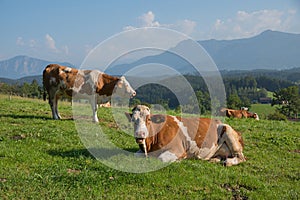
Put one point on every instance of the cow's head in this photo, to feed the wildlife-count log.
(124, 89)
(142, 120)
(140, 116)
(255, 116)
(143, 125)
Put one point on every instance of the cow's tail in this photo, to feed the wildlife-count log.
(44, 94)
(44, 88)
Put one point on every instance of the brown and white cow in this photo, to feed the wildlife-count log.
(238, 113)
(171, 138)
(93, 85)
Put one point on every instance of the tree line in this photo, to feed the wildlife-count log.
(30, 90)
(240, 92)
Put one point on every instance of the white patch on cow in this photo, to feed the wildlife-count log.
(167, 156)
(206, 153)
(123, 88)
(68, 69)
(93, 77)
(52, 80)
(231, 161)
(61, 71)
(192, 148)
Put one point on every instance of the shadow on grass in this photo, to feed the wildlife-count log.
(17, 116)
(94, 153)
(76, 153)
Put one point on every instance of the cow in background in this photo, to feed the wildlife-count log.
(171, 138)
(238, 113)
(93, 85)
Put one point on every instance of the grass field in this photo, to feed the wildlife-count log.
(263, 110)
(45, 159)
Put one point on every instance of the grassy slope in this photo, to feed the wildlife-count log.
(45, 159)
(263, 110)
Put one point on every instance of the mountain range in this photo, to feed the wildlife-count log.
(268, 50)
(22, 66)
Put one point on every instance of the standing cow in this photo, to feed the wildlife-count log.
(170, 138)
(93, 85)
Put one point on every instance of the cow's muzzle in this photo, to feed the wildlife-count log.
(140, 140)
(133, 95)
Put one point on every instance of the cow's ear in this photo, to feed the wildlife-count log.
(158, 119)
(129, 116)
(120, 84)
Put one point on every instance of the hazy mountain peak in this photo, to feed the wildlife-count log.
(22, 65)
(268, 50)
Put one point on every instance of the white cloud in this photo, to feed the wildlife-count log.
(50, 43)
(32, 43)
(148, 20)
(128, 28)
(20, 41)
(247, 24)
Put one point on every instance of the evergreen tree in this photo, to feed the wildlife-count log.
(289, 101)
(234, 101)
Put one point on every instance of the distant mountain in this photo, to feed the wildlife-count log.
(268, 50)
(21, 66)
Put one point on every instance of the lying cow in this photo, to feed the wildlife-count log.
(238, 113)
(171, 138)
(93, 85)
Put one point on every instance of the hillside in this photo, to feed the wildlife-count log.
(21, 66)
(43, 158)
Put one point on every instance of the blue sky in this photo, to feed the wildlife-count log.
(65, 30)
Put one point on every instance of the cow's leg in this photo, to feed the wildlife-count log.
(235, 149)
(221, 154)
(94, 106)
(167, 156)
(53, 99)
(55, 105)
(230, 148)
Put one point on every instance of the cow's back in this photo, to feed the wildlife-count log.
(202, 130)
(50, 75)
(62, 78)
(191, 137)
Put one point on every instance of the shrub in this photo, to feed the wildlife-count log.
(277, 116)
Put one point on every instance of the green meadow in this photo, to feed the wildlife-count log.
(41, 158)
